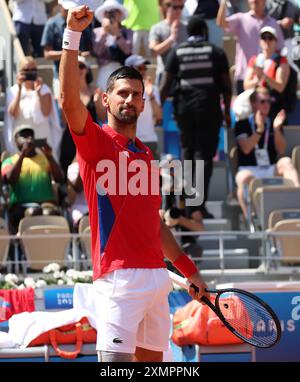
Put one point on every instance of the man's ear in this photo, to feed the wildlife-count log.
(105, 102)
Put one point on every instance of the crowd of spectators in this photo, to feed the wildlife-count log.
(184, 40)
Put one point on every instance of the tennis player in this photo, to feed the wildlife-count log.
(129, 240)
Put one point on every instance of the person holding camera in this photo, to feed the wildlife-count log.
(176, 218)
(29, 174)
(112, 43)
(30, 102)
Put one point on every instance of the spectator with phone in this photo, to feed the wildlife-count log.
(30, 101)
(29, 173)
(112, 43)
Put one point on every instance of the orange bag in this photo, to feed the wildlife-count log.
(77, 333)
(198, 324)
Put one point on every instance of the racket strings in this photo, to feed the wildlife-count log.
(249, 318)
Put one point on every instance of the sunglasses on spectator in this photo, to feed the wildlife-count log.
(141, 67)
(174, 7)
(268, 37)
(264, 101)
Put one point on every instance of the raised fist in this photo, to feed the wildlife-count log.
(79, 18)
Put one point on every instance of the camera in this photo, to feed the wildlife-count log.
(31, 75)
(40, 142)
(175, 212)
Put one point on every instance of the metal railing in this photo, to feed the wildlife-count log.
(267, 260)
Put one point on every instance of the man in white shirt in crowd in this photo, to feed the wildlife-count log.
(29, 17)
(152, 113)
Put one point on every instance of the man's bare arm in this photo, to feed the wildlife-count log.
(173, 252)
(221, 16)
(75, 111)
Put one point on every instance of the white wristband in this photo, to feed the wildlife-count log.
(71, 39)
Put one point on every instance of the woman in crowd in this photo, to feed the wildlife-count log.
(30, 102)
(112, 43)
(269, 69)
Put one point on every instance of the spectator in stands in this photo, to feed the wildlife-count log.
(52, 40)
(91, 97)
(260, 142)
(269, 69)
(201, 71)
(79, 207)
(30, 101)
(29, 175)
(167, 33)
(173, 211)
(112, 43)
(152, 113)
(175, 218)
(246, 27)
(287, 13)
(30, 17)
(208, 10)
(142, 14)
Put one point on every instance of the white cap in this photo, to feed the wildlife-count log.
(135, 60)
(67, 4)
(109, 5)
(270, 30)
(84, 61)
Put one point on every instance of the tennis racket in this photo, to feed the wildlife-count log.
(244, 314)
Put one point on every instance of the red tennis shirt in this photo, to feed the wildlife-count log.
(125, 223)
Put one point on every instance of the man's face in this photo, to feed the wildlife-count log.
(263, 103)
(24, 136)
(256, 4)
(174, 8)
(125, 102)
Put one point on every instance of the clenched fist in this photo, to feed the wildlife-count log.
(79, 18)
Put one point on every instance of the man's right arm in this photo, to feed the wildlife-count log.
(75, 111)
(221, 16)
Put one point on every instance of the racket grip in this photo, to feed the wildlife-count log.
(196, 289)
(203, 298)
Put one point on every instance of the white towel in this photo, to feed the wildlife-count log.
(25, 327)
(6, 341)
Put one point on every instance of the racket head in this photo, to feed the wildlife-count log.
(247, 316)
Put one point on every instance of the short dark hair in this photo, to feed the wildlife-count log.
(197, 27)
(123, 72)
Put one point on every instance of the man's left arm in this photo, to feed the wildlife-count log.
(171, 68)
(181, 261)
(225, 83)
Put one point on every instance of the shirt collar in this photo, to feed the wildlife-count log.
(122, 140)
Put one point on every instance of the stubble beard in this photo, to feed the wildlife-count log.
(123, 118)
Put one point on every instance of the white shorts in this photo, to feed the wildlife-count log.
(260, 172)
(132, 310)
